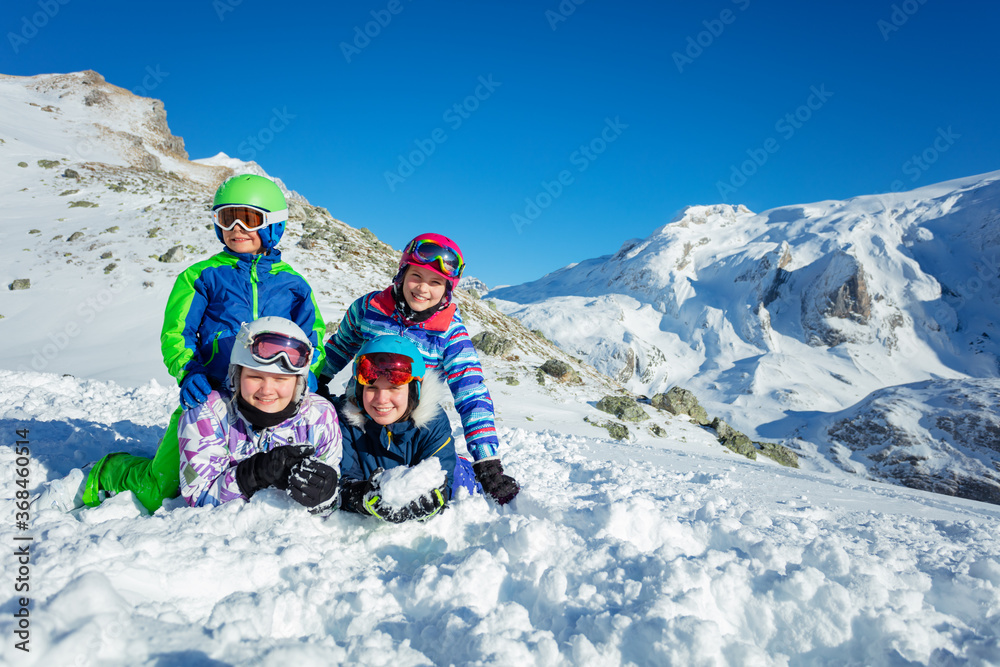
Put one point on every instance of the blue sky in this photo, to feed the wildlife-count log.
(537, 134)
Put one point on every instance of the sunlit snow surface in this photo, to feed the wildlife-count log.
(663, 551)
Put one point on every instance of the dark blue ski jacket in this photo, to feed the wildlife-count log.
(368, 445)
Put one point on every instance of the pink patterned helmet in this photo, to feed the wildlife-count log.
(438, 253)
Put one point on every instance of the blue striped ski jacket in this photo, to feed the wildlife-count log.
(446, 347)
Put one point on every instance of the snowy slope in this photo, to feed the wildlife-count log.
(772, 318)
(663, 551)
(652, 550)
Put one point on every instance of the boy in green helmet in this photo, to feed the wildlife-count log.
(209, 302)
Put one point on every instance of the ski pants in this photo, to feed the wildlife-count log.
(151, 480)
(465, 476)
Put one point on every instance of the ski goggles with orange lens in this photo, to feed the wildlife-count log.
(247, 217)
(396, 368)
(270, 347)
(448, 260)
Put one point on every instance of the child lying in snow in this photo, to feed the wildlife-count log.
(265, 429)
(392, 419)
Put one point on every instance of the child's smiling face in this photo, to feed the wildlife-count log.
(268, 392)
(422, 288)
(385, 402)
(240, 240)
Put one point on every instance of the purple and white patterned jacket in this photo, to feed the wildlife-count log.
(214, 437)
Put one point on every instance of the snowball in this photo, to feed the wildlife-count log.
(402, 485)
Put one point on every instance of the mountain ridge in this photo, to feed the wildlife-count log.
(797, 312)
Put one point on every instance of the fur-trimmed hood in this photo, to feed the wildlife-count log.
(433, 394)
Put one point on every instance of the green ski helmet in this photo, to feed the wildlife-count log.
(260, 193)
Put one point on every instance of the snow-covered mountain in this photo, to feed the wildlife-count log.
(774, 318)
(91, 246)
(474, 284)
(659, 548)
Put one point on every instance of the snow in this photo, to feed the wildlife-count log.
(402, 485)
(220, 159)
(654, 552)
(650, 551)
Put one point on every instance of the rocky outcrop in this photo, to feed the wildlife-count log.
(174, 255)
(170, 144)
(628, 365)
(492, 344)
(679, 401)
(616, 430)
(938, 435)
(840, 292)
(733, 439)
(623, 407)
(560, 370)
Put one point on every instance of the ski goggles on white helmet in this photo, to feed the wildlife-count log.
(249, 218)
(272, 347)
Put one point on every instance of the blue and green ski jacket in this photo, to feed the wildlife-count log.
(211, 299)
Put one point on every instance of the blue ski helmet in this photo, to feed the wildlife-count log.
(260, 193)
(393, 345)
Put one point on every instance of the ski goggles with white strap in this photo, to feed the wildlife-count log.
(249, 218)
(270, 347)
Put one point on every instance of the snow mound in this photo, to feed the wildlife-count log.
(403, 484)
(614, 554)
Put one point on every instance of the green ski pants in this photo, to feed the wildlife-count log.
(151, 480)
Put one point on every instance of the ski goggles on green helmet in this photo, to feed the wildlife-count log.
(249, 218)
(396, 368)
(272, 347)
(448, 260)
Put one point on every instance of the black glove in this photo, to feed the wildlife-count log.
(269, 468)
(427, 505)
(352, 495)
(314, 484)
(502, 488)
(323, 388)
(364, 497)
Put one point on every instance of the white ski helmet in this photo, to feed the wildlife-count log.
(273, 345)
